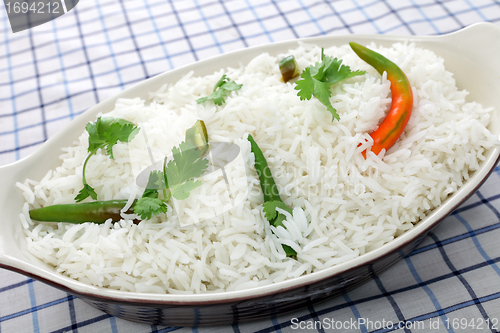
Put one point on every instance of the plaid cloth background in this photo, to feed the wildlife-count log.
(53, 72)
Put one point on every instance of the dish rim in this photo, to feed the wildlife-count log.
(421, 228)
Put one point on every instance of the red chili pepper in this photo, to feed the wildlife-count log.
(402, 99)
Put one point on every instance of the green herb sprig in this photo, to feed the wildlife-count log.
(317, 79)
(221, 90)
(104, 134)
(177, 179)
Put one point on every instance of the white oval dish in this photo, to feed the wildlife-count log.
(469, 53)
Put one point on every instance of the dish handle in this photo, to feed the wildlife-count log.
(11, 201)
(8, 179)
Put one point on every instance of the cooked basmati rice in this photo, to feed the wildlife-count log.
(217, 239)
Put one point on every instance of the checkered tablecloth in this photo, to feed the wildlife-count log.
(51, 73)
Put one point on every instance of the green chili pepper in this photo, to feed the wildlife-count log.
(289, 68)
(267, 183)
(198, 136)
(97, 212)
(272, 197)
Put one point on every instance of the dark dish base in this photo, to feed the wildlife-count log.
(234, 312)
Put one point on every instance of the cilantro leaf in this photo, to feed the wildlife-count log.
(272, 215)
(221, 89)
(107, 131)
(187, 164)
(337, 72)
(317, 79)
(276, 219)
(156, 181)
(177, 176)
(310, 86)
(270, 211)
(182, 192)
(85, 192)
(221, 81)
(104, 133)
(304, 87)
(145, 207)
(289, 251)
